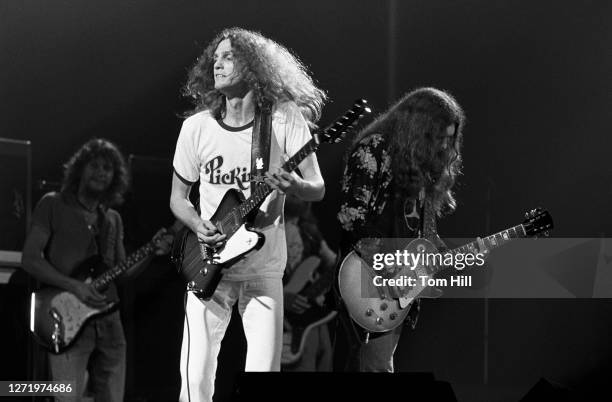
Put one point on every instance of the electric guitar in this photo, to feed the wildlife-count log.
(297, 326)
(386, 312)
(200, 265)
(57, 316)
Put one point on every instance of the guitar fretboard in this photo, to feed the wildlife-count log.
(260, 191)
(495, 240)
(102, 281)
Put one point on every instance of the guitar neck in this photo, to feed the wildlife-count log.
(491, 242)
(102, 281)
(262, 190)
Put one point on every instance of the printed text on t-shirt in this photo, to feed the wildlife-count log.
(239, 175)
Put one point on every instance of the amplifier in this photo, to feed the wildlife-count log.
(15, 193)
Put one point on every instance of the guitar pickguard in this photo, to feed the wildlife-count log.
(239, 244)
(73, 312)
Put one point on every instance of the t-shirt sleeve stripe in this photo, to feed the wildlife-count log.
(185, 156)
(184, 180)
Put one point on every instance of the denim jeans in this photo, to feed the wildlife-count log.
(100, 351)
(375, 355)
(260, 304)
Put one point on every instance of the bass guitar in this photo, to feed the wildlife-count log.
(57, 316)
(201, 266)
(387, 311)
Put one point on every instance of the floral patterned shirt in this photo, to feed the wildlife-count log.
(366, 177)
(366, 208)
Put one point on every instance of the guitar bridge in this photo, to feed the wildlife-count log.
(209, 255)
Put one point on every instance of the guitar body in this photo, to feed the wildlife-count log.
(298, 326)
(386, 311)
(58, 316)
(202, 276)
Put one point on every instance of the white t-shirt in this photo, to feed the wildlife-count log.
(220, 157)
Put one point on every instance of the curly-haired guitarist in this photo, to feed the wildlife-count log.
(240, 74)
(68, 229)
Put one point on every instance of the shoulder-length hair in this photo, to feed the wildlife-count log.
(270, 70)
(98, 148)
(413, 129)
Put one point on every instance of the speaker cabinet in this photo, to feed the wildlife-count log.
(15, 193)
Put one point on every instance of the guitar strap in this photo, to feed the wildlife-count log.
(100, 231)
(260, 146)
(424, 208)
(429, 219)
(430, 231)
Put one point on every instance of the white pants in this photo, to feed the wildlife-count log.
(260, 303)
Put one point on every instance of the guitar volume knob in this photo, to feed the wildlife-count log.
(379, 321)
(369, 312)
(393, 316)
(204, 271)
(383, 306)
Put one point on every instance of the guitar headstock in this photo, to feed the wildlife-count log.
(336, 131)
(537, 221)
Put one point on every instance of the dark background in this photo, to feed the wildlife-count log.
(533, 77)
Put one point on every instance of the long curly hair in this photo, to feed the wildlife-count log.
(414, 128)
(270, 70)
(95, 148)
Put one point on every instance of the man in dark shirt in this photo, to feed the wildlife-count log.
(69, 227)
(310, 265)
(407, 157)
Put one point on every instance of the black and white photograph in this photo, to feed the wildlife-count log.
(314, 200)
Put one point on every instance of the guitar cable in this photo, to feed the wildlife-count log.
(188, 345)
